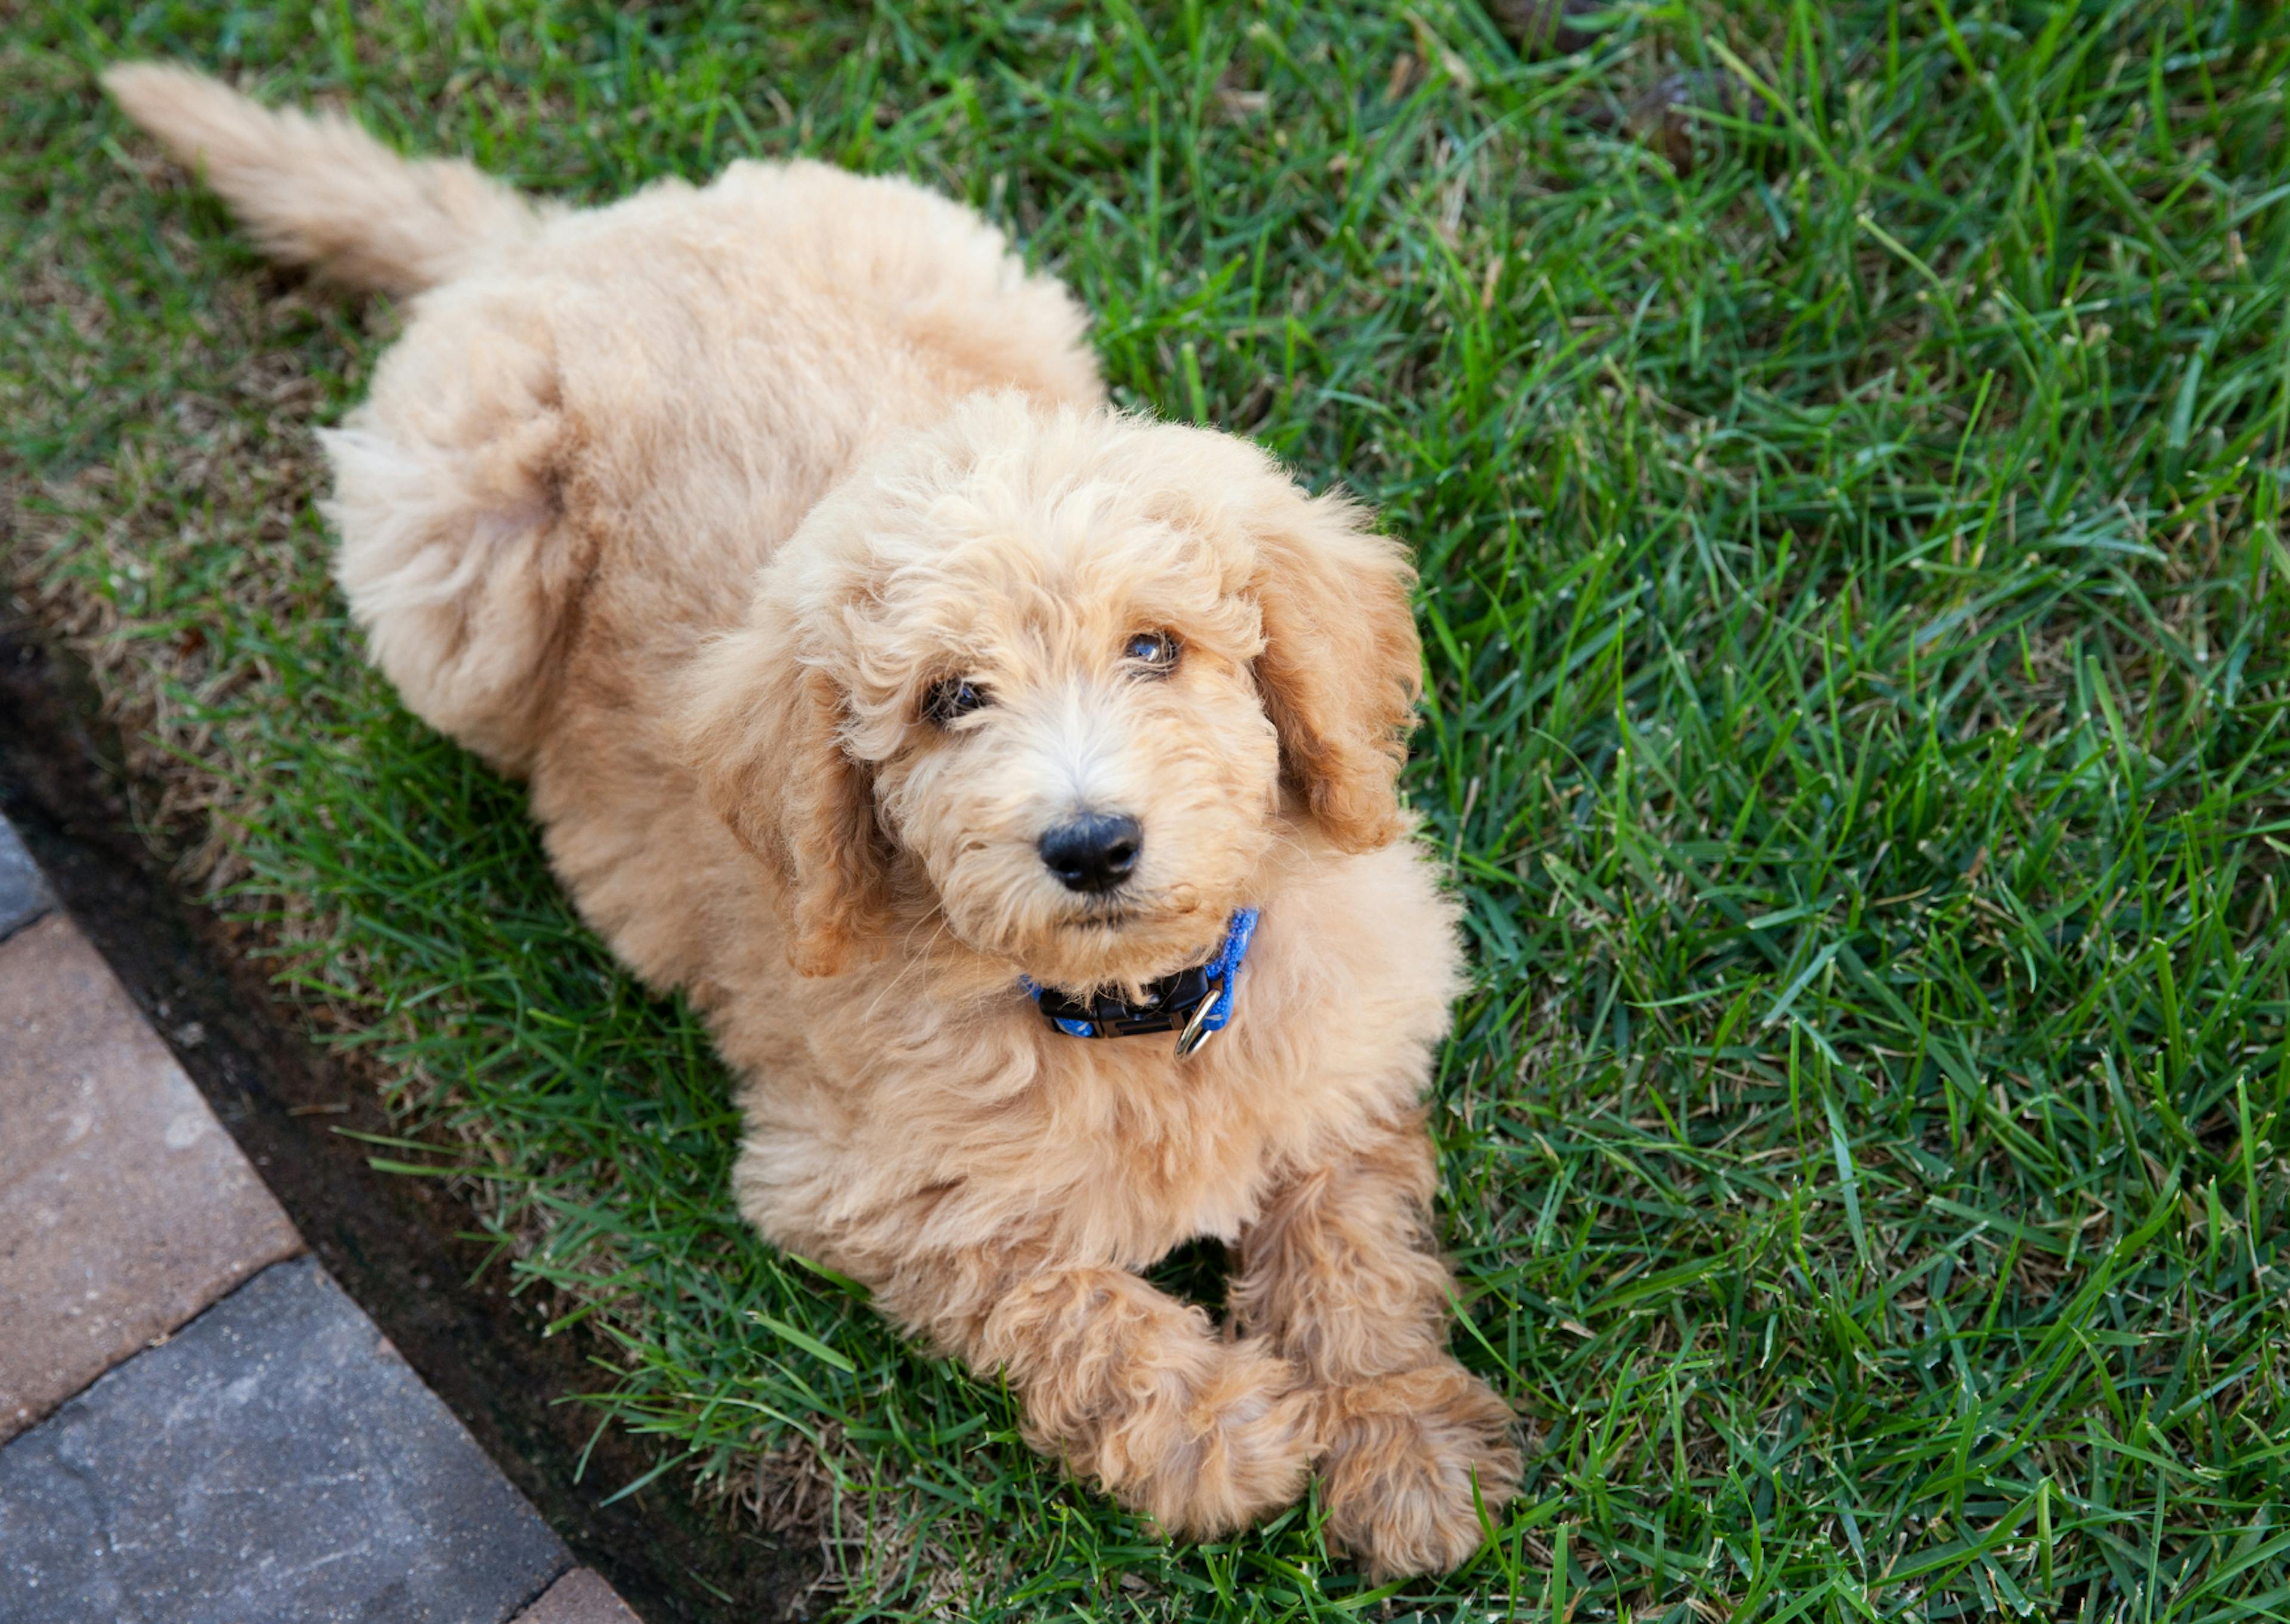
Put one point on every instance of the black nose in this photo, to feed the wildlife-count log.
(1094, 853)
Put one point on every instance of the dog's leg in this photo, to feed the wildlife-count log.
(1133, 1389)
(1339, 1274)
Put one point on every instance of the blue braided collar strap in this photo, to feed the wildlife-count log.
(1195, 1004)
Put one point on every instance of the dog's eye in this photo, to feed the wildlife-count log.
(950, 699)
(1155, 651)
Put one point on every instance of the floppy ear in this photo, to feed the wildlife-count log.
(764, 733)
(1342, 666)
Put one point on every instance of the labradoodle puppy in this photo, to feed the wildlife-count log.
(1010, 781)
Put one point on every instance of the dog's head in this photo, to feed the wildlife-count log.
(1075, 674)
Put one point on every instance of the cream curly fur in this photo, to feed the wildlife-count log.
(677, 508)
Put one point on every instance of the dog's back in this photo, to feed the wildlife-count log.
(599, 425)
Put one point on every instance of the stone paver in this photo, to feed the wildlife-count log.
(580, 1597)
(276, 1460)
(24, 894)
(125, 1208)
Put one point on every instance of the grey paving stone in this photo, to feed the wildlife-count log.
(276, 1460)
(24, 894)
(125, 1208)
(580, 1597)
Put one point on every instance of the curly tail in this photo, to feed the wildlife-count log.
(319, 191)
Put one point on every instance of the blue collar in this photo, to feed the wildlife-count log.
(1193, 1004)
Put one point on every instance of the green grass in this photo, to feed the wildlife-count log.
(1855, 612)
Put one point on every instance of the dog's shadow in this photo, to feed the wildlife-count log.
(1199, 1272)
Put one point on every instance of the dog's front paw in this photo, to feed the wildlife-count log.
(1239, 1446)
(1403, 1453)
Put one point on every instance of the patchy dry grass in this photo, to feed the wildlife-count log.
(1855, 602)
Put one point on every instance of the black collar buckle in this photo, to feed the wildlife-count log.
(1195, 1004)
(1169, 1005)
